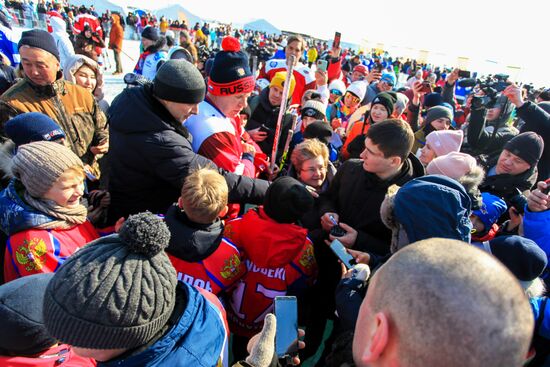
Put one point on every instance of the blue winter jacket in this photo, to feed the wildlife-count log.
(541, 312)
(15, 214)
(198, 338)
(535, 227)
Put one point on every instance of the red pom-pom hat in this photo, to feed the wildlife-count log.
(230, 72)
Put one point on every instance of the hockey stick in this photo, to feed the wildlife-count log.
(282, 109)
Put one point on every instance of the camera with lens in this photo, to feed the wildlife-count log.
(491, 86)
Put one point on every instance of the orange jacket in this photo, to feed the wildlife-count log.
(117, 34)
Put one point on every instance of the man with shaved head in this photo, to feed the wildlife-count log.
(441, 302)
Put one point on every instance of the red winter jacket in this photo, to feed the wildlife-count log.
(33, 251)
(61, 355)
(277, 256)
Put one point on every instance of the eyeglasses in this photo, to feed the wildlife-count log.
(336, 92)
(313, 170)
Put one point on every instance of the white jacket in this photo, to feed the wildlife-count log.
(62, 41)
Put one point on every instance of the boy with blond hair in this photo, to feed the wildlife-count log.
(198, 251)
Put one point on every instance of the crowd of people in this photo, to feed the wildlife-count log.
(160, 228)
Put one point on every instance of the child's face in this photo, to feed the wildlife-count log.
(244, 119)
(477, 224)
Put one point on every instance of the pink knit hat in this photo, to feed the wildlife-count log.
(445, 141)
(453, 165)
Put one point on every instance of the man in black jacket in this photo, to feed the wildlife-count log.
(359, 187)
(151, 151)
(515, 168)
(537, 119)
(264, 111)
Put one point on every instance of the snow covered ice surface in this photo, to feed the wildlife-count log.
(114, 84)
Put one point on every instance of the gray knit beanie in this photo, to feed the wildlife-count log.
(38, 165)
(437, 112)
(179, 81)
(117, 292)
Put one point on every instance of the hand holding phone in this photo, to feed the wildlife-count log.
(265, 129)
(336, 42)
(343, 255)
(426, 88)
(538, 201)
(336, 230)
(322, 65)
(286, 337)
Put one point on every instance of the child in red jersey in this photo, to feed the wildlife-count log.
(278, 256)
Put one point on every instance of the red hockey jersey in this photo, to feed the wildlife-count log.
(276, 256)
(215, 273)
(219, 138)
(34, 251)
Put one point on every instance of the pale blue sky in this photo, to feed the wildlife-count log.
(512, 33)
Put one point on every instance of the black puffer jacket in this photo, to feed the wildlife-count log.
(150, 156)
(356, 195)
(262, 112)
(504, 185)
(481, 142)
(189, 241)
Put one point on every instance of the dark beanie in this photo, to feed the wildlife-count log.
(179, 81)
(151, 33)
(23, 330)
(523, 257)
(433, 99)
(40, 39)
(32, 126)
(320, 130)
(230, 72)
(437, 112)
(385, 99)
(286, 200)
(117, 292)
(528, 146)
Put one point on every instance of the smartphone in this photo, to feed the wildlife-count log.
(265, 128)
(322, 65)
(426, 87)
(286, 337)
(336, 42)
(464, 74)
(342, 254)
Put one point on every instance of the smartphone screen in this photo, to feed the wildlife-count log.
(342, 254)
(322, 65)
(336, 42)
(286, 338)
